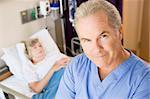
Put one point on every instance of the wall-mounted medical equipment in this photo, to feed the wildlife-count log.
(28, 15)
(44, 7)
(55, 7)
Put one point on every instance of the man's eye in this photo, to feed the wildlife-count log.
(103, 36)
(86, 40)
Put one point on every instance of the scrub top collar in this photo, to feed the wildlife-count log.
(116, 74)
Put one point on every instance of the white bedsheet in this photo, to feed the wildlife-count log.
(2, 94)
(17, 85)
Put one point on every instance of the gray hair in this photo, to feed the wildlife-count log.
(28, 44)
(93, 6)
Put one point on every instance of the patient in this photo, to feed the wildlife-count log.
(36, 53)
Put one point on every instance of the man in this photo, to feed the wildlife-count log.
(105, 70)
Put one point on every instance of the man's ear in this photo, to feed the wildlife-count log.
(121, 32)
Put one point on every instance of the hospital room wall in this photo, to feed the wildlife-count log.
(11, 28)
(145, 38)
(136, 27)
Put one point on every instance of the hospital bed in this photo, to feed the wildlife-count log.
(16, 84)
(15, 87)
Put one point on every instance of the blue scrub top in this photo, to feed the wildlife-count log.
(130, 80)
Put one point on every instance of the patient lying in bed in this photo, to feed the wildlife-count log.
(46, 86)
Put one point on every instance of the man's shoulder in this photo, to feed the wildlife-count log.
(80, 57)
(143, 65)
(79, 63)
(141, 68)
(141, 74)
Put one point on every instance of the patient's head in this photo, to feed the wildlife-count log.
(34, 50)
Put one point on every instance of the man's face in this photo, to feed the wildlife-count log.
(37, 52)
(100, 42)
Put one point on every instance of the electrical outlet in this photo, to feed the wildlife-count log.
(24, 16)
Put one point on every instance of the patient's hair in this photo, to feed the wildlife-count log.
(28, 44)
(92, 6)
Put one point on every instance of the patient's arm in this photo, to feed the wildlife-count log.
(39, 85)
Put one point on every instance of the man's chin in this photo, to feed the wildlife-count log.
(100, 64)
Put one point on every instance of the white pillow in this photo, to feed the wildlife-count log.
(12, 60)
(46, 40)
(21, 52)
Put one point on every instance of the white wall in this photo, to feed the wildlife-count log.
(11, 28)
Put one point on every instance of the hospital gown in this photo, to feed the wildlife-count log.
(130, 80)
